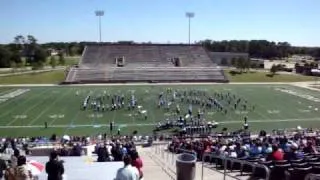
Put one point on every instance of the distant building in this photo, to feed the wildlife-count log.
(225, 58)
(55, 52)
(269, 63)
(298, 57)
(52, 52)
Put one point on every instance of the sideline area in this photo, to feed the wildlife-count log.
(304, 84)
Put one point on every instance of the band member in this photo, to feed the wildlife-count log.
(246, 125)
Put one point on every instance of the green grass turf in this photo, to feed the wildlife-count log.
(56, 76)
(69, 60)
(263, 77)
(60, 106)
(72, 60)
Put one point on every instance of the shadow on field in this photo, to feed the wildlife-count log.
(234, 73)
(270, 75)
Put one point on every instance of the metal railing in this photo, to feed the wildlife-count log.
(311, 176)
(232, 161)
(168, 161)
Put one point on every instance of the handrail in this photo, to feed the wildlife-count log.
(312, 176)
(186, 151)
(233, 160)
(83, 52)
(170, 159)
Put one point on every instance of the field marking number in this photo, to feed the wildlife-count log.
(273, 111)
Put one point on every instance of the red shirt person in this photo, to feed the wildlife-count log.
(137, 162)
(276, 154)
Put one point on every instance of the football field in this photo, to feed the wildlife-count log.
(24, 110)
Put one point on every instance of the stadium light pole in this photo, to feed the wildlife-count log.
(189, 15)
(99, 14)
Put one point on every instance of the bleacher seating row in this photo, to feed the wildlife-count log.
(146, 75)
(145, 63)
(284, 169)
(97, 55)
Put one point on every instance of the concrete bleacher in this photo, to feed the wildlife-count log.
(145, 63)
(167, 161)
(83, 168)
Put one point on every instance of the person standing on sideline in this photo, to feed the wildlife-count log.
(127, 172)
(54, 168)
(137, 162)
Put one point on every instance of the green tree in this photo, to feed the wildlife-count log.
(31, 40)
(246, 64)
(224, 61)
(16, 57)
(53, 62)
(30, 46)
(5, 56)
(234, 62)
(39, 58)
(254, 65)
(62, 60)
(240, 63)
(13, 65)
(19, 42)
(273, 70)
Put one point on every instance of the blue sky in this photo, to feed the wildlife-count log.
(295, 21)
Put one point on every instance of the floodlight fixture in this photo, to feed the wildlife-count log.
(189, 15)
(99, 14)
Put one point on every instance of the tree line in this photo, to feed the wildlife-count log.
(260, 48)
(26, 51)
(34, 54)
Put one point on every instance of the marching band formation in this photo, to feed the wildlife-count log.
(177, 105)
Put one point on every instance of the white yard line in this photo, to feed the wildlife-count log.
(77, 125)
(153, 124)
(7, 91)
(46, 109)
(271, 120)
(10, 100)
(256, 105)
(54, 119)
(279, 107)
(145, 84)
(26, 111)
(305, 84)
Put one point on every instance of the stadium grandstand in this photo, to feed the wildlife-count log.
(103, 63)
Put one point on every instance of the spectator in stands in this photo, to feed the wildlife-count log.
(137, 162)
(103, 154)
(64, 150)
(3, 167)
(108, 146)
(232, 152)
(276, 154)
(14, 158)
(21, 171)
(124, 150)
(54, 167)
(127, 172)
(76, 150)
(293, 154)
(310, 148)
(117, 152)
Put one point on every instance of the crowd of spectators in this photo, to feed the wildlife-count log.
(65, 145)
(293, 155)
(115, 149)
(266, 146)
